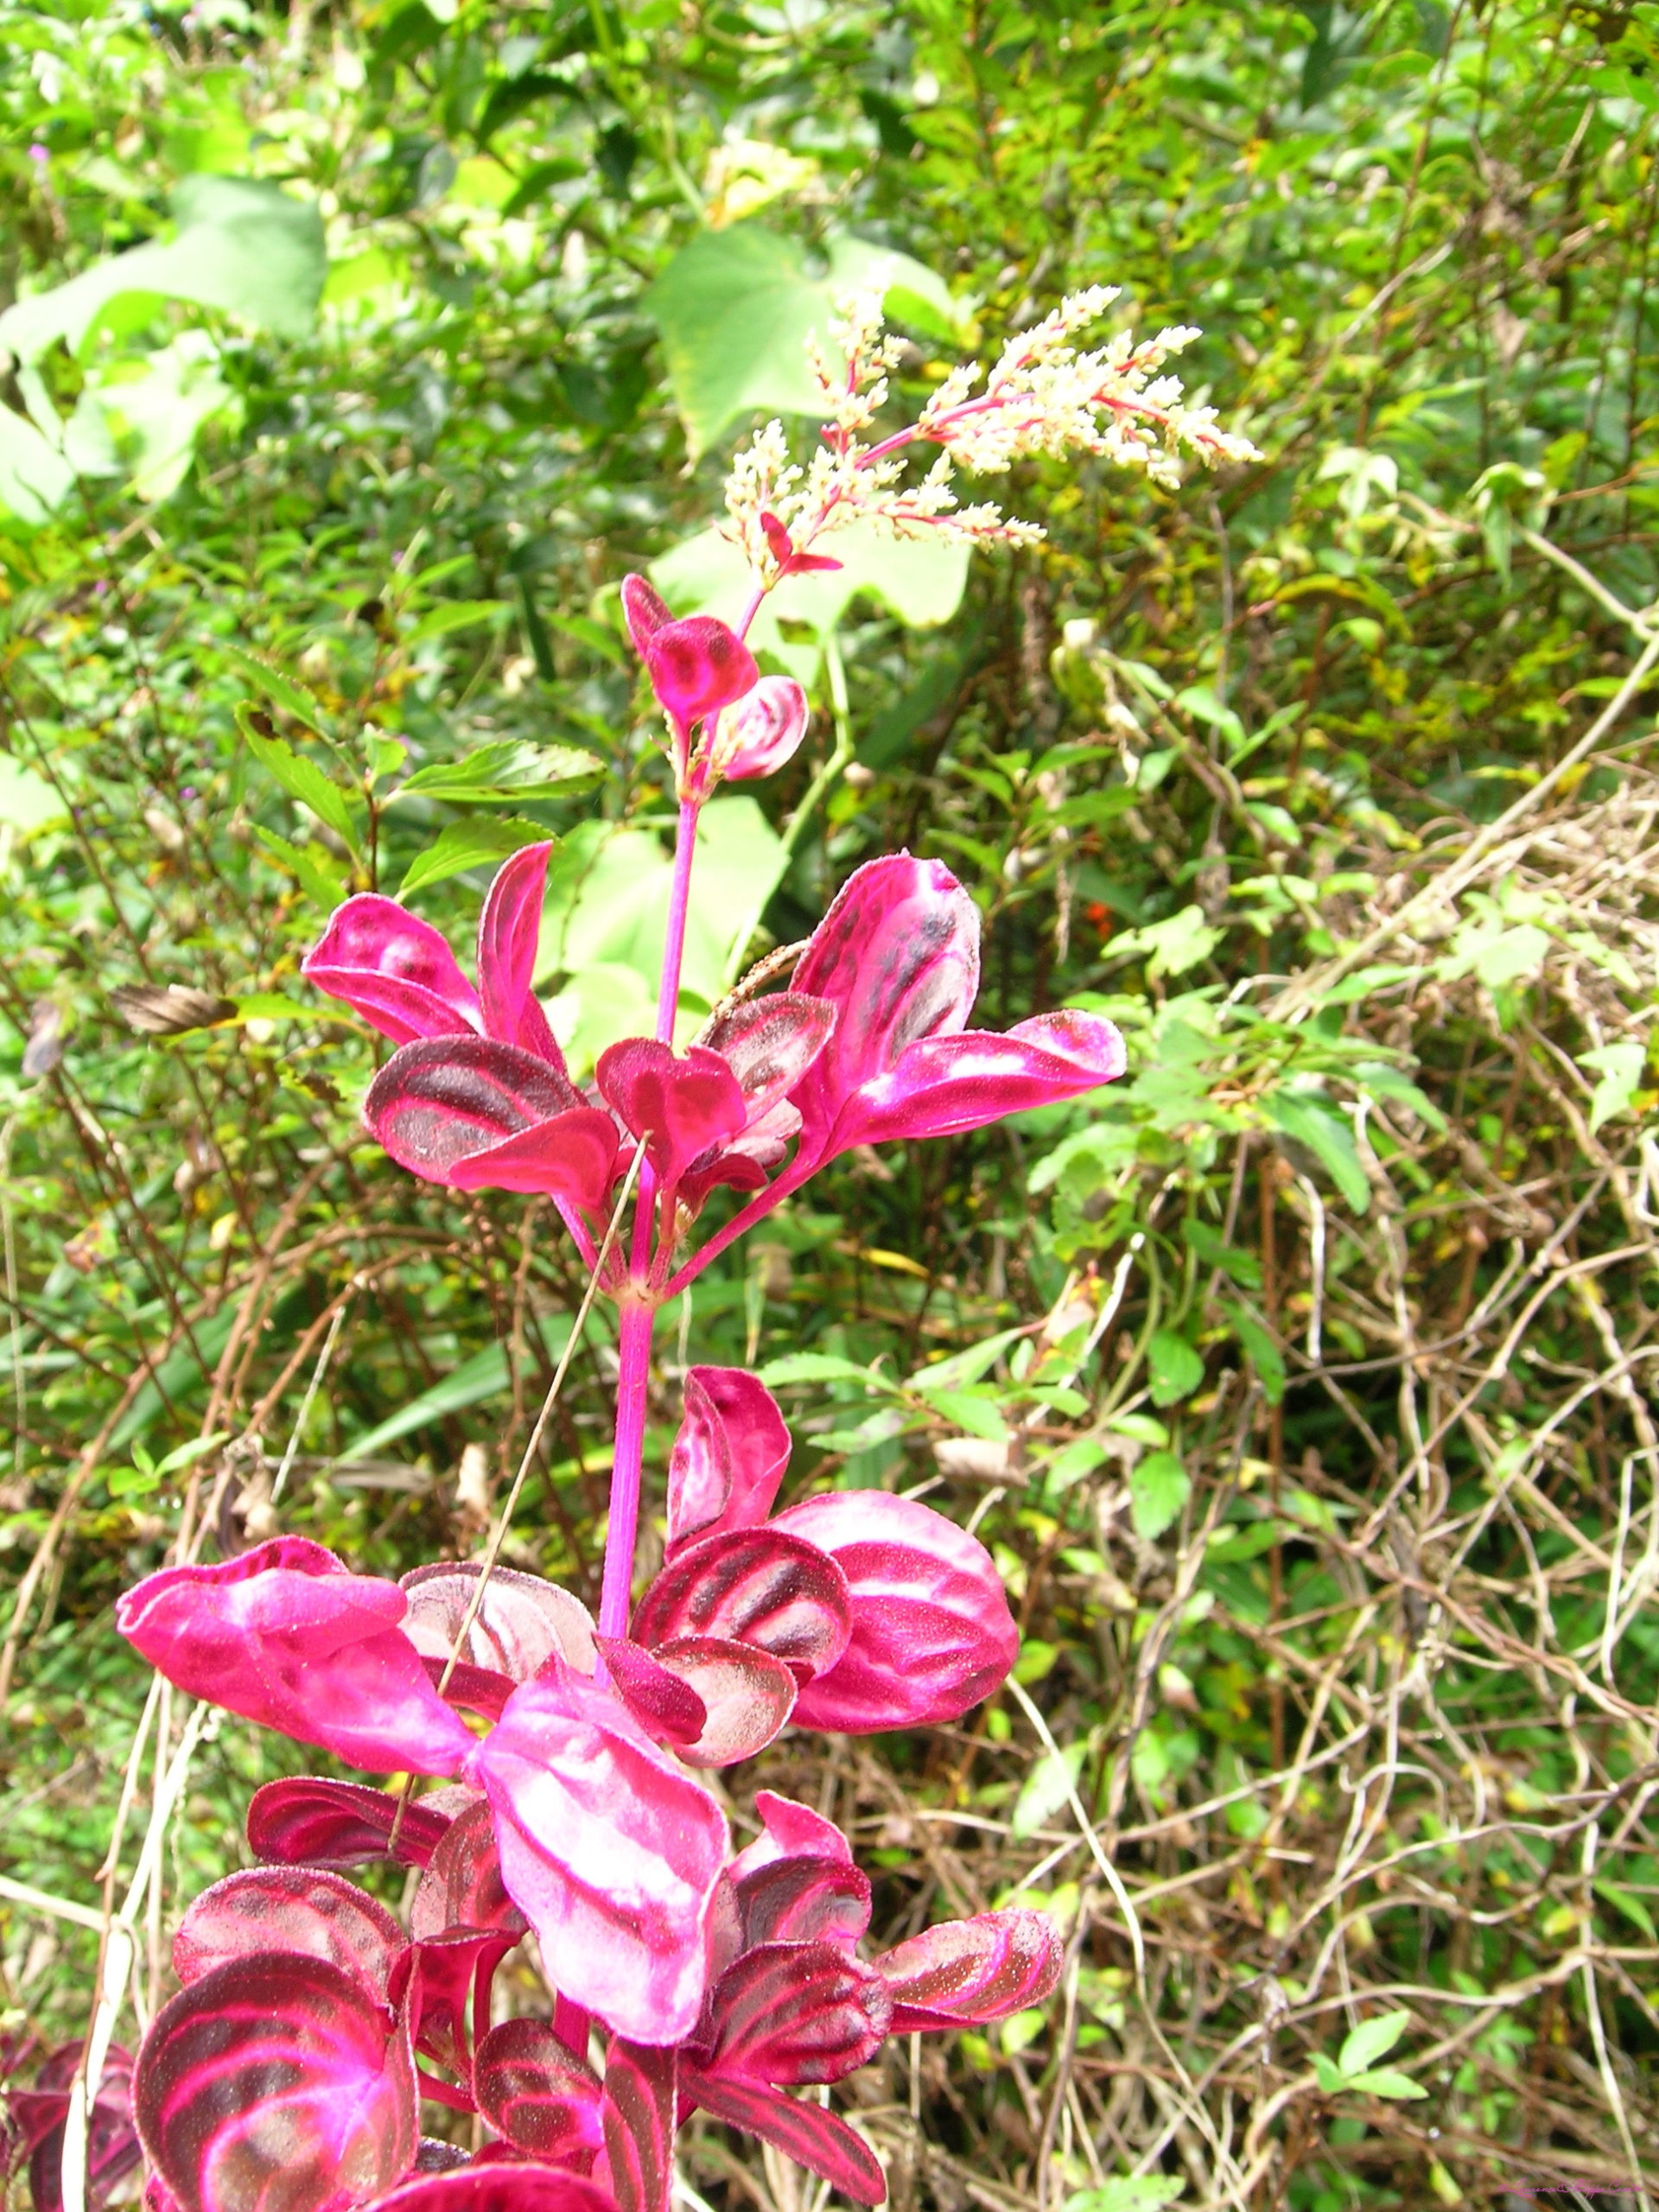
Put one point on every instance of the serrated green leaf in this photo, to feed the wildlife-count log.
(972, 1411)
(508, 772)
(819, 1367)
(1047, 1787)
(131, 1482)
(1175, 1369)
(1619, 1065)
(454, 614)
(1384, 2083)
(1263, 1353)
(282, 690)
(1371, 2040)
(1329, 2075)
(1326, 1135)
(319, 875)
(1127, 2193)
(1159, 1489)
(1071, 1464)
(1631, 1905)
(302, 779)
(475, 844)
(963, 1368)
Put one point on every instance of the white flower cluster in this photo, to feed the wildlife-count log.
(1043, 396)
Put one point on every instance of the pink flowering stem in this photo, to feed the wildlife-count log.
(633, 1352)
(679, 899)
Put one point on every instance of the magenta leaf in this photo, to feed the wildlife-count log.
(931, 1633)
(746, 1695)
(394, 969)
(638, 2116)
(40, 2116)
(729, 1457)
(816, 2140)
(769, 1044)
(520, 1623)
(789, 1830)
(540, 2096)
(803, 1901)
(681, 1108)
(301, 1910)
(644, 611)
(761, 732)
(448, 1989)
(792, 2013)
(610, 1849)
(667, 1709)
(476, 1114)
(276, 2084)
(307, 1819)
(762, 1586)
(498, 2187)
(972, 1970)
(697, 667)
(462, 1886)
(509, 930)
(942, 1085)
(287, 1635)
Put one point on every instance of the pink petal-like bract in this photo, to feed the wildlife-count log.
(492, 2188)
(520, 1623)
(667, 1708)
(793, 2013)
(682, 1107)
(276, 2084)
(462, 1886)
(746, 1696)
(932, 1633)
(645, 610)
(307, 1820)
(301, 1909)
(542, 2097)
(612, 1852)
(898, 956)
(761, 732)
(509, 930)
(769, 1044)
(819, 2141)
(286, 1635)
(638, 2115)
(729, 1457)
(394, 969)
(762, 1586)
(448, 1988)
(475, 1114)
(972, 1970)
(697, 667)
(789, 1830)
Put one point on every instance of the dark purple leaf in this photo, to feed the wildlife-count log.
(668, 1709)
(476, 1114)
(803, 1901)
(680, 1106)
(521, 1621)
(729, 1457)
(304, 1910)
(542, 2097)
(754, 1586)
(792, 2013)
(637, 2115)
(509, 930)
(972, 1970)
(932, 1633)
(462, 1886)
(307, 1820)
(746, 1695)
(816, 2140)
(498, 2187)
(276, 2084)
(41, 2116)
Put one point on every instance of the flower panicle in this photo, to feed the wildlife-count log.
(1043, 396)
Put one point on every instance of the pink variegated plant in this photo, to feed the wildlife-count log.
(288, 2073)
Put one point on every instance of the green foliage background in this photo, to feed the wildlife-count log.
(1302, 1383)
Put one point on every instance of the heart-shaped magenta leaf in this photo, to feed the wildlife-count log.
(746, 1695)
(816, 2140)
(286, 1635)
(298, 1910)
(498, 2188)
(680, 1106)
(972, 1970)
(793, 2013)
(761, 732)
(509, 930)
(543, 2098)
(612, 1852)
(462, 1886)
(770, 1043)
(930, 1629)
(638, 2116)
(476, 1114)
(803, 1901)
(762, 1586)
(940, 1086)
(521, 1620)
(667, 1709)
(729, 1457)
(276, 2084)
(449, 1989)
(697, 667)
(394, 969)
(307, 1820)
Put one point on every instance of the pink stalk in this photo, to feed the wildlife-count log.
(633, 1352)
(668, 1000)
